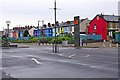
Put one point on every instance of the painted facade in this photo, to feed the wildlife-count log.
(31, 31)
(98, 26)
(104, 25)
(83, 25)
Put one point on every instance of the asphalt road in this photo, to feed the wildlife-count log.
(41, 62)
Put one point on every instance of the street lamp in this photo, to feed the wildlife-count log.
(42, 24)
(8, 24)
(39, 22)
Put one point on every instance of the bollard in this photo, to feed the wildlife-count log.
(58, 48)
(110, 43)
(104, 43)
(81, 43)
(53, 48)
(117, 45)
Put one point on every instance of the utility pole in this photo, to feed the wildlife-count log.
(55, 29)
(55, 14)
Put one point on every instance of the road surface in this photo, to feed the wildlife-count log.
(41, 62)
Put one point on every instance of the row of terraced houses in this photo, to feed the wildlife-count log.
(103, 25)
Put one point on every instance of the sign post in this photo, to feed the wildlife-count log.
(76, 31)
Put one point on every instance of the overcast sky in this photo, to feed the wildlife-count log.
(28, 12)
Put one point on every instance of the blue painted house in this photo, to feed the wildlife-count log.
(37, 33)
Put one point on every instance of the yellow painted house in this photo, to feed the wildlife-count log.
(60, 30)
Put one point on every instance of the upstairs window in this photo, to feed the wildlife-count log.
(97, 17)
(95, 27)
(111, 25)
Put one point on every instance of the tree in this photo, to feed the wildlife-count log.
(26, 33)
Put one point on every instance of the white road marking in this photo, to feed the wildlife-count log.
(72, 55)
(87, 56)
(31, 56)
(90, 48)
(46, 52)
(1, 68)
(61, 54)
(107, 64)
(36, 61)
(18, 56)
(74, 63)
(52, 53)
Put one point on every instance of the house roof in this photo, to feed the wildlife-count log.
(111, 18)
(84, 19)
(65, 24)
(108, 18)
(69, 23)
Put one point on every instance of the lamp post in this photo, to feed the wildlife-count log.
(8, 24)
(39, 24)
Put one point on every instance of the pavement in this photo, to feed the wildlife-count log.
(88, 45)
(70, 62)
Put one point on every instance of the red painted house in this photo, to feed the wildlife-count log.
(103, 25)
(98, 26)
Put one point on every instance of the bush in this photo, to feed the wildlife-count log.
(51, 41)
(117, 33)
(34, 40)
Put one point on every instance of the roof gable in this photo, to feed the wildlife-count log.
(108, 18)
(96, 17)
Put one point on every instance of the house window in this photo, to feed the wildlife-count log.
(116, 25)
(111, 25)
(93, 33)
(97, 17)
(95, 27)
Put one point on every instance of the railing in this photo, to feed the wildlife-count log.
(91, 37)
(20, 38)
(83, 37)
(117, 38)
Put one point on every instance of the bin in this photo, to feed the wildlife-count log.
(64, 43)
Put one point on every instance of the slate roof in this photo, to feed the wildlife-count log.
(111, 18)
(69, 23)
(108, 18)
(65, 24)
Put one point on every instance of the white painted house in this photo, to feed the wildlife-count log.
(31, 31)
